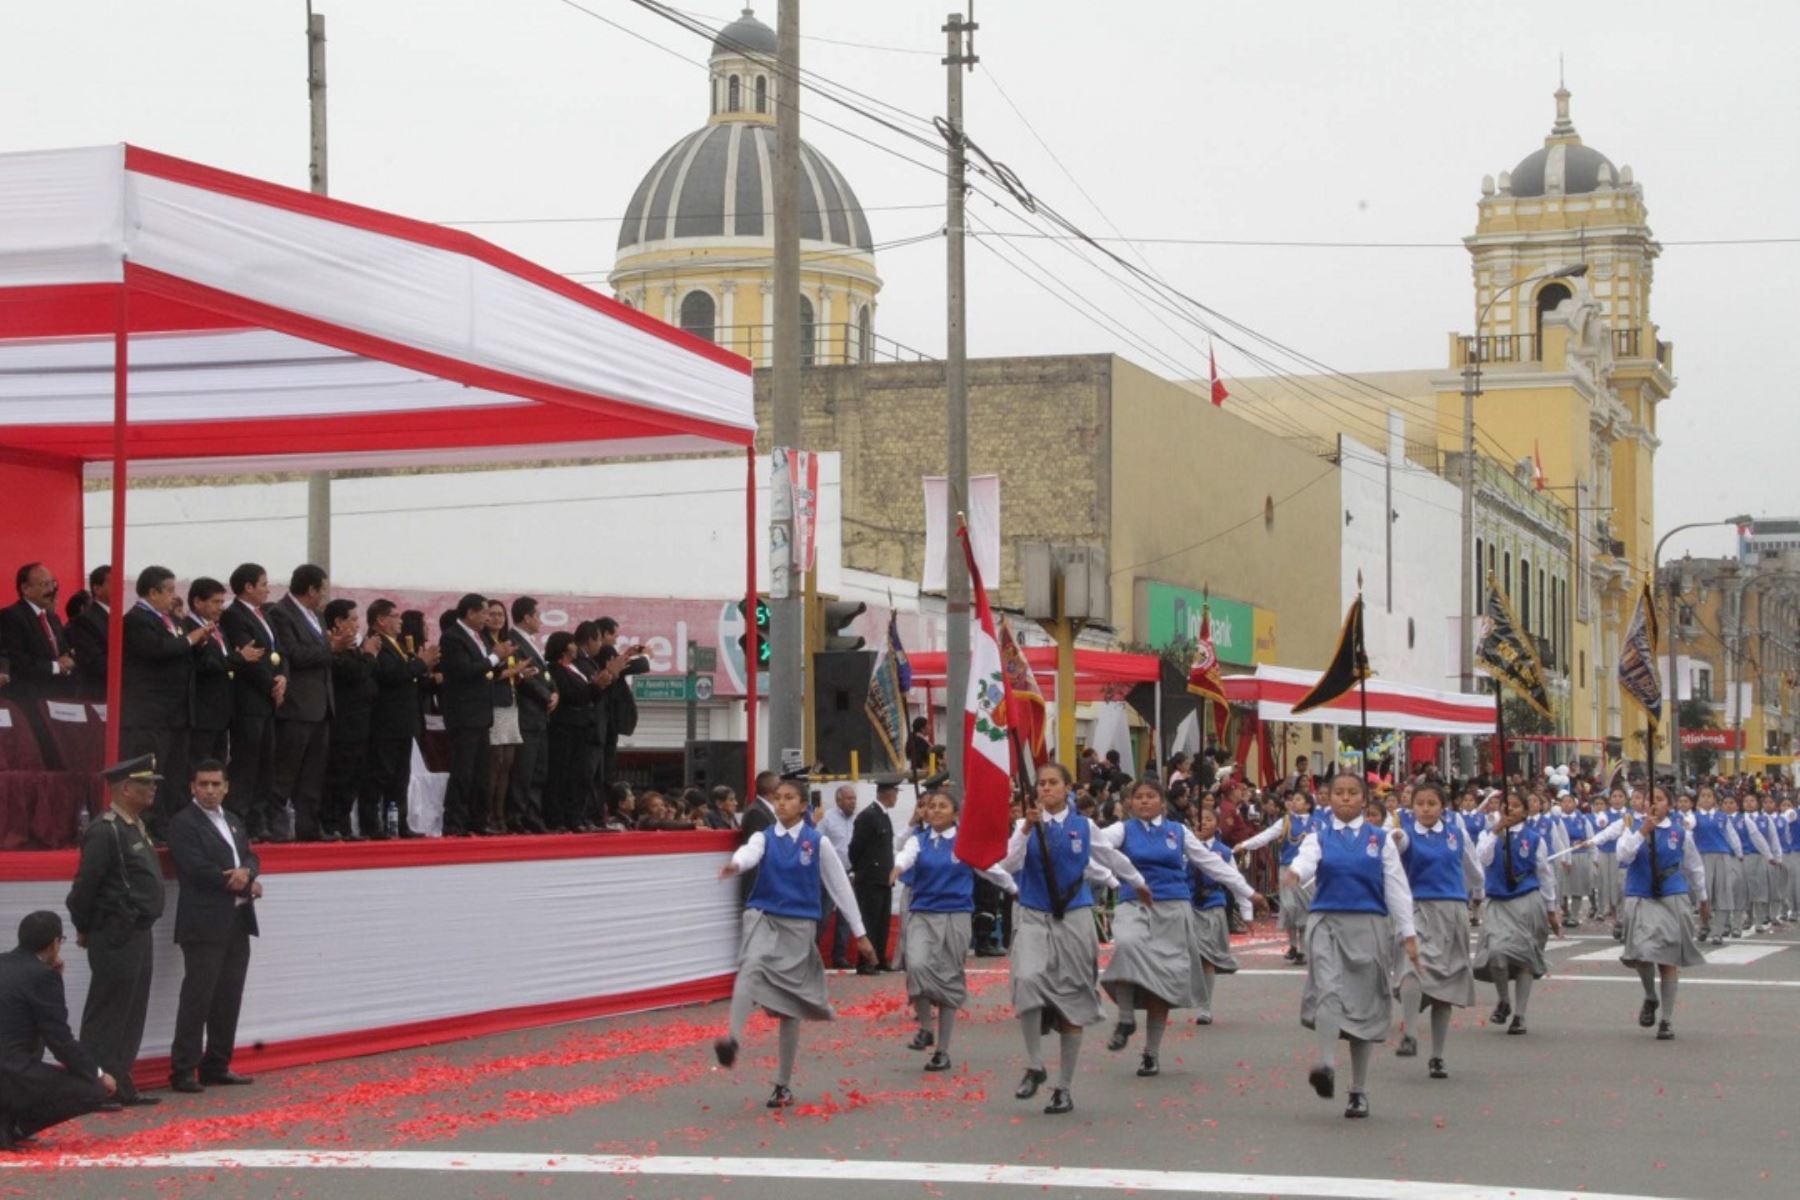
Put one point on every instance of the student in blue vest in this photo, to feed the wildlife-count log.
(1209, 940)
(1575, 875)
(1608, 882)
(1290, 832)
(1663, 868)
(779, 968)
(1473, 821)
(1521, 909)
(936, 928)
(1434, 849)
(1787, 824)
(1361, 888)
(1718, 845)
(1151, 967)
(1055, 947)
(1737, 915)
(1754, 830)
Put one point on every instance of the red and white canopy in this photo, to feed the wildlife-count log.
(1275, 691)
(1099, 674)
(266, 321)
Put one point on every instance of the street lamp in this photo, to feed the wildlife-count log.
(1472, 389)
(1674, 697)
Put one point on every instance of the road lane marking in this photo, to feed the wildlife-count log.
(1739, 954)
(1687, 978)
(1102, 1179)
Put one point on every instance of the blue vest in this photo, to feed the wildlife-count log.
(1349, 877)
(1742, 829)
(1601, 821)
(1709, 832)
(1525, 842)
(1764, 827)
(1070, 846)
(1298, 827)
(1159, 852)
(1574, 826)
(1434, 861)
(1787, 833)
(1206, 891)
(941, 882)
(787, 881)
(1667, 879)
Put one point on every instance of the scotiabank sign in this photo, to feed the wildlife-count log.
(1712, 739)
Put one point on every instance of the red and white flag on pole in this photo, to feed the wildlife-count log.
(987, 756)
(1218, 387)
(1537, 466)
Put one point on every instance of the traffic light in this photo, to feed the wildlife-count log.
(761, 622)
(834, 619)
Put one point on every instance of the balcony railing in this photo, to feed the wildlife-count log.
(1528, 347)
(839, 344)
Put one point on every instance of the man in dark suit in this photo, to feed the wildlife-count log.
(618, 715)
(871, 866)
(589, 646)
(466, 700)
(32, 638)
(536, 701)
(569, 792)
(215, 918)
(215, 663)
(34, 1014)
(353, 689)
(157, 700)
(258, 688)
(394, 715)
(87, 636)
(759, 814)
(303, 722)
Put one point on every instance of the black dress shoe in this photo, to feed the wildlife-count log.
(1059, 1102)
(1148, 1066)
(225, 1079)
(868, 969)
(1203, 1019)
(725, 1050)
(780, 1097)
(1518, 1025)
(185, 1083)
(921, 1040)
(1647, 1014)
(838, 964)
(1435, 1068)
(1292, 955)
(1358, 1107)
(110, 1104)
(1033, 1079)
(939, 1060)
(1121, 1034)
(1300, 959)
(1323, 1080)
(1501, 1012)
(1665, 1032)
(140, 1101)
(1408, 1048)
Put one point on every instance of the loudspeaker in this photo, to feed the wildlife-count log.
(720, 762)
(840, 689)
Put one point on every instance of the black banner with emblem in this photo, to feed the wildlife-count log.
(1509, 654)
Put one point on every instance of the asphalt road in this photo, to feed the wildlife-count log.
(634, 1107)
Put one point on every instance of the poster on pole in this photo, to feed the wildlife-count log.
(781, 524)
(803, 478)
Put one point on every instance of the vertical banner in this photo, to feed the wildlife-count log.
(984, 528)
(781, 524)
(803, 478)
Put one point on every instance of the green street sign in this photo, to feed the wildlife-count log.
(663, 687)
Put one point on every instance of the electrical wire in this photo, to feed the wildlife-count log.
(935, 204)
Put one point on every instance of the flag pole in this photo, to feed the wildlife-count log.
(1499, 735)
(1362, 683)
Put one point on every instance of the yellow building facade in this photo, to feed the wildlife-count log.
(696, 247)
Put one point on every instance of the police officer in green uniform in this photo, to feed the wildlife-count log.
(117, 896)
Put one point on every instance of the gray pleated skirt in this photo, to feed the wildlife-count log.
(1513, 936)
(1577, 876)
(778, 961)
(1734, 872)
(937, 945)
(1658, 931)
(1349, 957)
(1608, 883)
(1209, 940)
(1296, 903)
(1718, 881)
(1056, 964)
(1151, 950)
(1443, 972)
(1473, 879)
(1756, 880)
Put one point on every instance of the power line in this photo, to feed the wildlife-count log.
(615, 220)
(1321, 244)
(751, 260)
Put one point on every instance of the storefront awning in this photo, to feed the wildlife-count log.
(1275, 691)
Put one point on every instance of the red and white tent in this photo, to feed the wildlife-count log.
(1275, 691)
(157, 315)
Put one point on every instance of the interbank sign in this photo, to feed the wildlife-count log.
(1242, 633)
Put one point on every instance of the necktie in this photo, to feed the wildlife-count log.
(49, 635)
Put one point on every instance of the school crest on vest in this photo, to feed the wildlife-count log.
(1171, 838)
(1450, 840)
(1373, 849)
(806, 853)
(1074, 839)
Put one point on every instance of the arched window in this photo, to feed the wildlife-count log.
(865, 336)
(1524, 594)
(1552, 295)
(697, 314)
(808, 334)
(1506, 574)
(715, 94)
(1480, 567)
(1542, 612)
(734, 95)
(762, 93)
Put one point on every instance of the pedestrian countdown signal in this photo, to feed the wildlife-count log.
(763, 654)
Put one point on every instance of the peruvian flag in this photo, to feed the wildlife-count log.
(987, 756)
(1218, 387)
(1537, 466)
(1203, 676)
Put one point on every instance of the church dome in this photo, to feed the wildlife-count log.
(1563, 167)
(745, 36)
(717, 183)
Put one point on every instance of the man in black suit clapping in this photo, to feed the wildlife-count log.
(32, 638)
(156, 706)
(88, 634)
(466, 700)
(303, 722)
(258, 688)
(537, 701)
(215, 665)
(401, 669)
(215, 918)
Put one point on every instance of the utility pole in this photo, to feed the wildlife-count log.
(787, 659)
(318, 483)
(959, 57)
(1465, 630)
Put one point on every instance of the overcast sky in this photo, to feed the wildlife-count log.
(1364, 122)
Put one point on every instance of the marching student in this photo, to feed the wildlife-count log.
(1434, 849)
(1663, 868)
(779, 968)
(1472, 821)
(1056, 961)
(1609, 880)
(1349, 940)
(1759, 857)
(1718, 845)
(1521, 909)
(1209, 935)
(1788, 826)
(1291, 830)
(1151, 966)
(1576, 874)
(935, 930)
